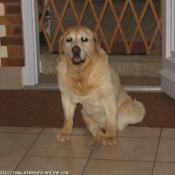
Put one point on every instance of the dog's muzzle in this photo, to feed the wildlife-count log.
(77, 60)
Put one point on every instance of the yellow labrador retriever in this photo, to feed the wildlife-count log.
(85, 76)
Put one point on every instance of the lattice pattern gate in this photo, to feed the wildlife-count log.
(98, 16)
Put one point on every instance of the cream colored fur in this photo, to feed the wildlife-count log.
(95, 85)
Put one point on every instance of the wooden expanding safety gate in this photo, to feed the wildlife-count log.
(98, 18)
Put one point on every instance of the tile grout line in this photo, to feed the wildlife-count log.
(29, 149)
(87, 162)
(157, 151)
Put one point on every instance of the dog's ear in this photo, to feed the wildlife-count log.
(97, 43)
(60, 48)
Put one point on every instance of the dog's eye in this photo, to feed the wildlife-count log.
(84, 39)
(69, 39)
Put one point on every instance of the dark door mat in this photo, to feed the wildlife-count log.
(42, 108)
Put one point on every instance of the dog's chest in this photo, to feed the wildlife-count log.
(78, 86)
(81, 90)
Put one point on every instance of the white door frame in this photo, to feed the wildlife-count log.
(168, 54)
(30, 37)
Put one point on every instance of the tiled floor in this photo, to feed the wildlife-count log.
(138, 151)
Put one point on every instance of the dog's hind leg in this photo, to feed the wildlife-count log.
(94, 128)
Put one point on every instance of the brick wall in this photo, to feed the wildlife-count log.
(11, 36)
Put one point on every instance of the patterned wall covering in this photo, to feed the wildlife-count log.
(11, 36)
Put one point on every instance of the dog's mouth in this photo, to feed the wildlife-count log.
(77, 60)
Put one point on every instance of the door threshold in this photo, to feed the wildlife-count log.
(127, 88)
(42, 87)
(142, 88)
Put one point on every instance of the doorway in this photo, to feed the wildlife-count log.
(119, 62)
(123, 28)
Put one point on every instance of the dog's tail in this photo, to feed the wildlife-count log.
(130, 112)
(139, 112)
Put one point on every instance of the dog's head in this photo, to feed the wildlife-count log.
(77, 44)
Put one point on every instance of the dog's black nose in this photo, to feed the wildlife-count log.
(76, 50)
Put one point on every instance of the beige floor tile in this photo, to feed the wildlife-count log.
(164, 168)
(129, 149)
(168, 133)
(9, 162)
(28, 130)
(53, 164)
(142, 81)
(75, 131)
(139, 132)
(51, 131)
(166, 151)
(15, 143)
(113, 167)
(46, 145)
(127, 132)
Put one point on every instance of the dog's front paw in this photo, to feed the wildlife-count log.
(109, 141)
(63, 137)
